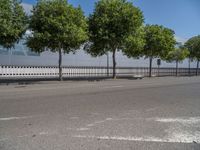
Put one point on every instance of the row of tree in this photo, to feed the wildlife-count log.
(115, 25)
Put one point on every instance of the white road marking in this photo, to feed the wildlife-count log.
(90, 125)
(99, 122)
(141, 139)
(180, 130)
(120, 138)
(191, 120)
(175, 134)
(82, 129)
(175, 137)
(152, 109)
(14, 118)
(116, 86)
(22, 136)
(185, 136)
(109, 119)
(43, 133)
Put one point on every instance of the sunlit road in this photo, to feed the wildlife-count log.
(148, 114)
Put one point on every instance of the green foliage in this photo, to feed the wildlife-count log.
(159, 41)
(57, 25)
(135, 44)
(193, 46)
(13, 22)
(178, 55)
(115, 25)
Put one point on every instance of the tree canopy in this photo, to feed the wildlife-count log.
(115, 25)
(193, 45)
(57, 26)
(178, 55)
(159, 42)
(13, 22)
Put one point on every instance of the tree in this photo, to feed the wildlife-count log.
(159, 42)
(177, 55)
(193, 45)
(13, 22)
(57, 26)
(115, 25)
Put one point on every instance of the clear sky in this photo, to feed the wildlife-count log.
(183, 16)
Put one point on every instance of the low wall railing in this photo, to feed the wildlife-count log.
(86, 71)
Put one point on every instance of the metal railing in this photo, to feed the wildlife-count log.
(86, 71)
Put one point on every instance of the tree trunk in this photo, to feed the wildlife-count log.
(197, 70)
(150, 66)
(158, 70)
(114, 64)
(176, 68)
(60, 65)
(189, 66)
(107, 64)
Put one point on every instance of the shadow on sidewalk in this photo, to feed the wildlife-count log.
(26, 81)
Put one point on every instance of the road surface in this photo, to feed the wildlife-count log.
(148, 114)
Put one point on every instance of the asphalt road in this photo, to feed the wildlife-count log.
(148, 114)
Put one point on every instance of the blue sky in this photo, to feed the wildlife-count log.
(183, 16)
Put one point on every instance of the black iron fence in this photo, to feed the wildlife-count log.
(89, 71)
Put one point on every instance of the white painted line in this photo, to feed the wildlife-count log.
(90, 125)
(43, 133)
(22, 136)
(140, 139)
(191, 120)
(185, 136)
(99, 122)
(82, 129)
(14, 118)
(111, 87)
(109, 119)
(152, 109)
